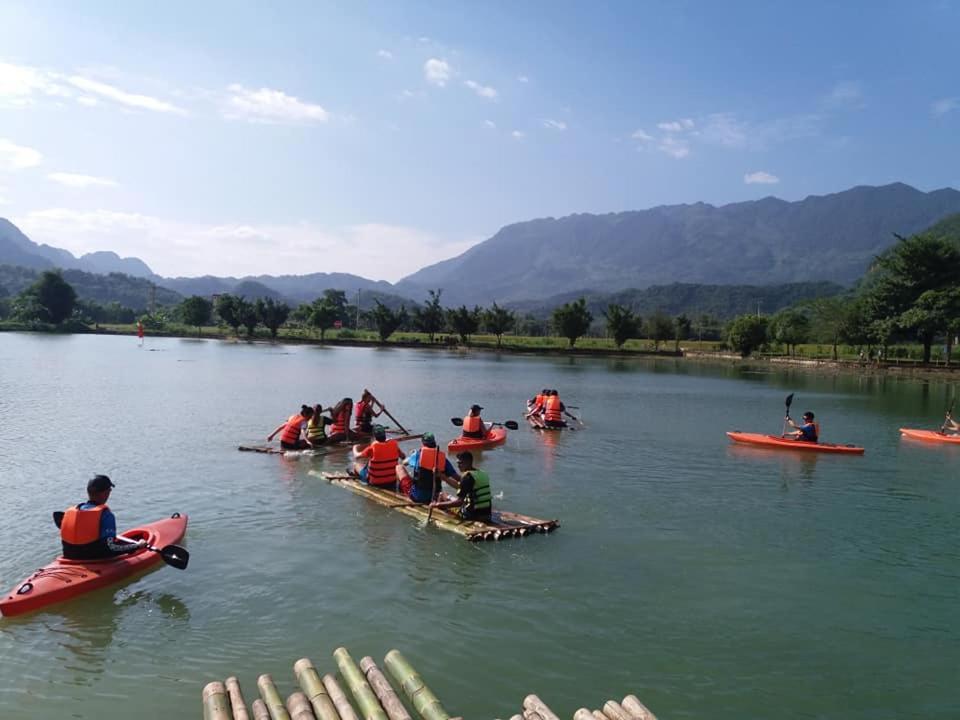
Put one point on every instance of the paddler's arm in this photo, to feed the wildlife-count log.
(271, 435)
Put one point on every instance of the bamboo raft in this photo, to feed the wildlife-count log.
(322, 450)
(369, 690)
(503, 524)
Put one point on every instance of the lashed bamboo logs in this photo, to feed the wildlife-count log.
(518, 717)
(583, 714)
(299, 707)
(614, 710)
(381, 686)
(309, 681)
(237, 704)
(260, 711)
(597, 715)
(637, 709)
(344, 708)
(532, 702)
(271, 698)
(424, 701)
(215, 703)
(359, 687)
(531, 715)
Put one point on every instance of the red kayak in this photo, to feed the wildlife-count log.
(774, 441)
(930, 436)
(496, 435)
(65, 579)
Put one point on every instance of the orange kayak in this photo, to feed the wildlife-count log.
(774, 441)
(496, 435)
(930, 436)
(66, 579)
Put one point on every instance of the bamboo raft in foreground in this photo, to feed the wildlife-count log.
(504, 524)
(366, 688)
(322, 450)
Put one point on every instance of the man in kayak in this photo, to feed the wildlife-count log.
(383, 456)
(951, 426)
(473, 500)
(424, 470)
(473, 426)
(808, 431)
(88, 531)
(291, 430)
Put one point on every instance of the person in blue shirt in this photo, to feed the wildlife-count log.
(808, 431)
(424, 470)
(88, 531)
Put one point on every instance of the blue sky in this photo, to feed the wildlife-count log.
(375, 138)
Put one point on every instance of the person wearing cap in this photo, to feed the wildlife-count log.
(424, 470)
(383, 456)
(88, 531)
(808, 430)
(473, 500)
(473, 426)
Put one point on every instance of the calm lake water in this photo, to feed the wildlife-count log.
(711, 581)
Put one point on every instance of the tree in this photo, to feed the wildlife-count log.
(790, 327)
(499, 320)
(322, 316)
(936, 312)
(386, 320)
(430, 318)
(572, 320)
(228, 308)
(682, 326)
(659, 329)
(747, 333)
(464, 322)
(247, 314)
(50, 299)
(196, 311)
(272, 314)
(622, 324)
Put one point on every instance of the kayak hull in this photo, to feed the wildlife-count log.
(933, 436)
(65, 579)
(495, 436)
(779, 443)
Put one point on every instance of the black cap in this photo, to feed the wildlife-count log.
(476, 408)
(808, 414)
(99, 483)
(465, 456)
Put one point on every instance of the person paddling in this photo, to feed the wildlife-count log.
(366, 411)
(383, 455)
(340, 429)
(316, 427)
(473, 426)
(950, 426)
(291, 430)
(88, 531)
(553, 410)
(425, 468)
(474, 499)
(807, 431)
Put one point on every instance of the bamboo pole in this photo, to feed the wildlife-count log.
(359, 687)
(386, 412)
(614, 710)
(237, 704)
(597, 715)
(532, 702)
(309, 680)
(339, 698)
(215, 703)
(260, 711)
(583, 714)
(531, 715)
(299, 707)
(271, 698)
(424, 701)
(637, 709)
(381, 686)
(518, 717)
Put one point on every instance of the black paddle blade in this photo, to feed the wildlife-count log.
(788, 402)
(511, 425)
(457, 421)
(58, 518)
(175, 556)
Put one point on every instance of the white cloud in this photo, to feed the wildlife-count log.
(676, 126)
(760, 178)
(174, 248)
(726, 130)
(17, 81)
(17, 157)
(523, 78)
(133, 100)
(944, 105)
(518, 134)
(554, 124)
(639, 134)
(483, 91)
(270, 106)
(437, 72)
(3, 196)
(490, 124)
(76, 180)
(385, 54)
(88, 101)
(674, 147)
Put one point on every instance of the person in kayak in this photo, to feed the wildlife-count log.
(316, 431)
(366, 410)
(807, 431)
(88, 531)
(291, 430)
(425, 468)
(341, 412)
(553, 411)
(473, 426)
(951, 426)
(473, 500)
(383, 456)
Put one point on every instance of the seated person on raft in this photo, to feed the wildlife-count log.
(88, 531)
(383, 456)
(316, 431)
(291, 430)
(341, 412)
(473, 500)
(473, 426)
(553, 410)
(366, 411)
(424, 470)
(808, 431)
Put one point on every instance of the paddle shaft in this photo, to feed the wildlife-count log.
(385, 411)
(943, 428)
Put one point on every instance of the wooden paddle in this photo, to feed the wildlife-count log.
(509, 424)
(173, 555)
(386, 412)
(788, 402)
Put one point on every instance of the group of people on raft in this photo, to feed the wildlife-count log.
(546, 410)
(308, 428)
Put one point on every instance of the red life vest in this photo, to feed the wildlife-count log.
(473, 424)
(291, 431)
(81, 527)
(538, 402)
(383, 462)
(340, 422)
(552, 410)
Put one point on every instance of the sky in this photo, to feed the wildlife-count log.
(235, 138)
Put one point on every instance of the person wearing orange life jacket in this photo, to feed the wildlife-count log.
(291, 430)
(553, 411)
(808, 431)
(366, 411)
(383, 456)
(88, 531)
(341, 412)
(424, 470)
(473, 425)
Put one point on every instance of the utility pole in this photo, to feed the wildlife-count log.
(153, 297)
(358, 308)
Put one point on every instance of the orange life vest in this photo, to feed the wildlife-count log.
(340, 422)
(538, 402)
(473, 424)
(81, 527)
(552, 411)
(383, 462)
(432, 460)
(291, 431)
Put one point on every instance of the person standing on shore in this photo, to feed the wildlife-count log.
(140, 331)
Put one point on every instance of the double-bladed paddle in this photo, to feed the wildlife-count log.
(173, 555)
(943, 428)
(788, 402)
(509, 424)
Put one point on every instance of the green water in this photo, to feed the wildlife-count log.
(711, 581)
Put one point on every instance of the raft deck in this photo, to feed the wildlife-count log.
(504, 524)
(311, 452)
